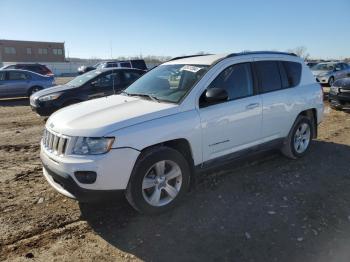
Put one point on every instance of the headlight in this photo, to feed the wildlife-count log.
(49, 97)
(92, 145)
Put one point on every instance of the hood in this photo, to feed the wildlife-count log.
(344, 83)
(51, 90)
(101, 116)
(320, 72)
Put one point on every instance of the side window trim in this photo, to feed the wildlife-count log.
(253, 79)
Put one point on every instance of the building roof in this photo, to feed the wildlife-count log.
(25, 41)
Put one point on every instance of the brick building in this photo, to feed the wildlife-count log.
(31, 51)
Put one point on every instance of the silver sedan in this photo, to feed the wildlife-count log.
(327, 73)
(19, 83)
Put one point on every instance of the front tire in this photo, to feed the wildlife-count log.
(298, 141)
(160, 179)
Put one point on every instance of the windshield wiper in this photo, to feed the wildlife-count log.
(153, 98)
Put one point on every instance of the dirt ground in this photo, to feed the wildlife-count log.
(264, 208)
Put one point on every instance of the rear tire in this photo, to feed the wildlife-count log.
(159, 181)
(298, 141)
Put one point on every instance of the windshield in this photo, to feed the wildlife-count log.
(323, 67)
(84, 78)
(168, 82)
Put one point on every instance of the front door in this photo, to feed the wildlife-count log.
(235, 124)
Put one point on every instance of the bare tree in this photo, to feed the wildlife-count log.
(300, 51)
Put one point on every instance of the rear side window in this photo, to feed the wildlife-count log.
(269, 76)
(236, 80)
(293, 72)
(16, 76)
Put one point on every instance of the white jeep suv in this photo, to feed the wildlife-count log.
(185, 115)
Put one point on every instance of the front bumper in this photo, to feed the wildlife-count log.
(43, 108)
(113, 171)
(43, 111)
(64, 184)
(340, 99)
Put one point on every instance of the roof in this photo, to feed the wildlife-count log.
(211, 59)
(198, 60)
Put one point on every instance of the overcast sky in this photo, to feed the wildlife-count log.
(92, 28)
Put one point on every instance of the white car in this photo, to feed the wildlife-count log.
(184, 116)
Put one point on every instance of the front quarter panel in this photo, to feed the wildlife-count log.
(183, 125)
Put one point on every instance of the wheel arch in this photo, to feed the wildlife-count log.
(180, 144)
(311, 113)
(32, 87)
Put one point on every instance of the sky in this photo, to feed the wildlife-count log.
(105, 28)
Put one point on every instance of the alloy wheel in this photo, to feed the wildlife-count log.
(162, 183)
(302, 138)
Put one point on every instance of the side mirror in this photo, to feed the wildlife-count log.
(215, 95)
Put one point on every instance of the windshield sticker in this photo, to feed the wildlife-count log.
(193, 69)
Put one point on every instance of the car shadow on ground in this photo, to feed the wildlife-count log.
(9, 102)
(273, 209)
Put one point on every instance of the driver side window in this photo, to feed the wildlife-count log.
(236, 80)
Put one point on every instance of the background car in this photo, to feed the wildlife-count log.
(135, 63)
(311, 64)
(84, 69)
(19, 83)
(37, 68)
(339, 94)
(94, 84)
(327, 73)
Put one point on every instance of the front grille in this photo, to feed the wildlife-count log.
(57, 144)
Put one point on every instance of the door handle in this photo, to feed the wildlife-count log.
(252, 106)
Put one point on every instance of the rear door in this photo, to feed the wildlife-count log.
(279, 98)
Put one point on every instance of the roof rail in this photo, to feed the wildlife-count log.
(260, 53)
(187, 56)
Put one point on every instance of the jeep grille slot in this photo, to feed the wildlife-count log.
(57, 144)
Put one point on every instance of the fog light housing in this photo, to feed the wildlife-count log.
(85, 177)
